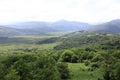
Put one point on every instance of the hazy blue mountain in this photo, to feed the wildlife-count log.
(43, 28)
(28, 25)
(65, 25)
(6, 31)
(108, 27)
(33, 27)
(59, 26)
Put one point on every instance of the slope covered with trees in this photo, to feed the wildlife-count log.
(75, 56)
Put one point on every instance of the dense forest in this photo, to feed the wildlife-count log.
(76, 56)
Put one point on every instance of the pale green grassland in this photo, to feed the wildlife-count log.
(79, 71)
(25, 42)
(5, 48)
(33, 36)
(59, 33)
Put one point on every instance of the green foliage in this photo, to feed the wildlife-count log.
(79, 71)
(90, 39)
(12, 75)
(68, 56)
(63, 69)
(89, 56)
(113, 72)
(32, 66)
(49, 40)
(117, 71)
(2, 71)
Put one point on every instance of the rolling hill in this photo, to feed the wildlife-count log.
(44, 28)
(35, 27)
(108, 27)
(6, 31)
(64, 25)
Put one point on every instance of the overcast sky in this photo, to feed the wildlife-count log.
(90, 11)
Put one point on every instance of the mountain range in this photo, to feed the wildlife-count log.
(108, 27)
(6, 31)
(43, 28)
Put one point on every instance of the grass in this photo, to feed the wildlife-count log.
(57, 34)
(79, 71)
(13, 47)
(33, 36)
(29, 39)
(18, 43)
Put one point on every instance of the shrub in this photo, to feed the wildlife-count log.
(68, 56)
(63, 70)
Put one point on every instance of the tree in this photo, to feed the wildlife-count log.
(29, 67)
(2, 71)
(68, 56)
(63, 70)
(12, 75)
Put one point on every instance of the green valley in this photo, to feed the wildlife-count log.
(74, 56)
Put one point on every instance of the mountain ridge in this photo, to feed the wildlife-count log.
(36, 27)
(43, 28)
(6, 31)
(112, 26)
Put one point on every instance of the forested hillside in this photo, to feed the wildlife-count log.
(75, 56)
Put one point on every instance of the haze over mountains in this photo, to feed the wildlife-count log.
(108, 27)
(35, 27)
(58, 26)
(42, 28)
(6, 31)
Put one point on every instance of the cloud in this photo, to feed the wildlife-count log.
(52, 10)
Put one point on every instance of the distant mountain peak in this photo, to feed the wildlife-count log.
(116, 20)
(62, 20)
(108, 27)
(58, 26)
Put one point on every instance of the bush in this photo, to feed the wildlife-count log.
(68, 56)
(95, 65)
(63, 70)
(87, 63)
(29, 67)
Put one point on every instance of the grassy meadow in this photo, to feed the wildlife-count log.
(79, 71)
